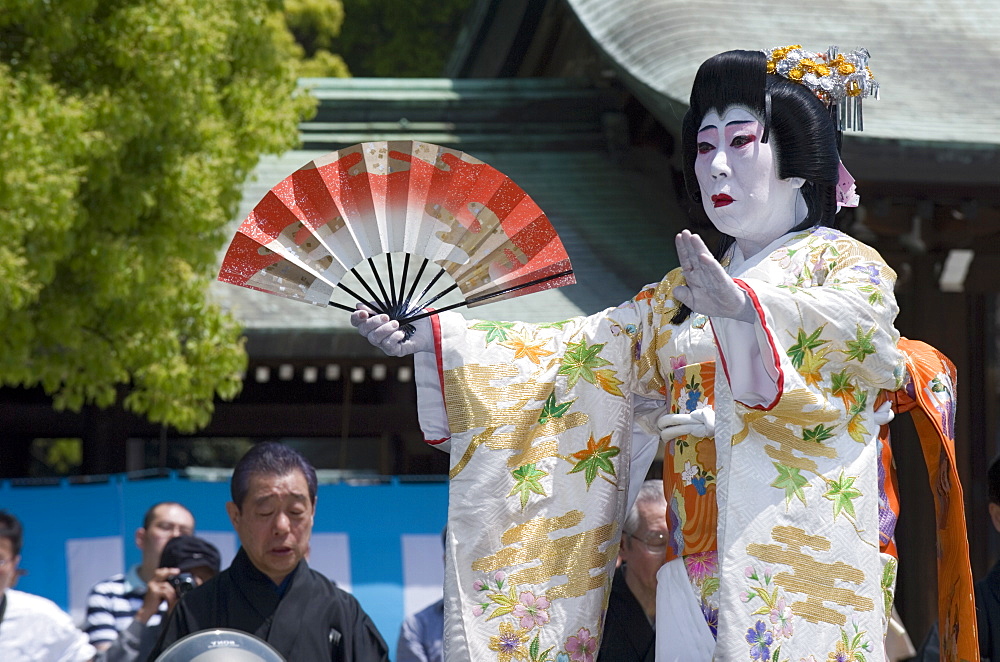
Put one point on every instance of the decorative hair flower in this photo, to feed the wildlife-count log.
(840, 80)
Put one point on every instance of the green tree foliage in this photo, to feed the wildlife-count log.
(399, 38)
(126, 130)
(56, 457)
(315, 24)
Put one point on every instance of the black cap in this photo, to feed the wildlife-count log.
(189, 552)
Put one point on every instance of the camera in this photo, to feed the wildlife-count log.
(182, 583)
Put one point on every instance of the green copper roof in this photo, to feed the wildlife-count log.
(935, 61)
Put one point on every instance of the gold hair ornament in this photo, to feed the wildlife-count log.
(840, 80)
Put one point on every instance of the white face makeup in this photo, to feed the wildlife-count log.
(740, 189)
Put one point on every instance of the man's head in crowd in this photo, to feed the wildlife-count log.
(195, 561)
(274, 501)
(11, 537)
(644, 538)
(163, 521)
(192, 555)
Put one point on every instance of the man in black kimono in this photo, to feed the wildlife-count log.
(269, 590)
(628, 627)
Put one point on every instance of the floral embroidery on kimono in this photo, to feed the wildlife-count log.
(541, 429)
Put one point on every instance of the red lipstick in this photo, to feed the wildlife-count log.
(721, 200)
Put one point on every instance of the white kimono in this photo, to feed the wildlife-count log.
(542, 427)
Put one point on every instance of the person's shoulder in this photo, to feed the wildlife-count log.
(196, 610)
(113, 584)
(432, 609)
(646, 295)
(840, 240)
(989, 585)
(658, 296)
(206, 594)
(51, 631)
(321, 582)
(31, 605)
(650, 290)
(619, 588)
(838, 252)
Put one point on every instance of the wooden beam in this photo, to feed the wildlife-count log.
(232, 419)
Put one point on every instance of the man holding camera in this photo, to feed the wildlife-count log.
(186, 562)
(112, 603)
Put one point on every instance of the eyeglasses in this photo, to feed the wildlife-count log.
(173, 529)
(654, 542)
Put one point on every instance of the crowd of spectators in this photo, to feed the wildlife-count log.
(269, 591)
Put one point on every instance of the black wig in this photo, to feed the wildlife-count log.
(800, 125)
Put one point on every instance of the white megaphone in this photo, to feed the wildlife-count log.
(220, 645)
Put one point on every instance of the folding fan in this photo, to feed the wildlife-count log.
(320, 224)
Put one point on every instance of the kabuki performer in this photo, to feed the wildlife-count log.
(773, 357)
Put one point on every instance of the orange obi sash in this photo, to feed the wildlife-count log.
(689, 467)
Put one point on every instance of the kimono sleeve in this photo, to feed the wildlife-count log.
(833, 315)
(617, 331)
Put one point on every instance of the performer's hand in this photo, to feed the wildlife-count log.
(385, 333)
(884, 414)
(699, 423)
(709, 290)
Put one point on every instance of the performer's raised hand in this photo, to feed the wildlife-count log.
(699, 423)
(709, 290)
(385, 333)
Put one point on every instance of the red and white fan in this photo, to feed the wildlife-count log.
(439, 205)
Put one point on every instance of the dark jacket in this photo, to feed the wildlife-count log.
(987, 623)
(628, 635)
(988, 614)
(313, 621)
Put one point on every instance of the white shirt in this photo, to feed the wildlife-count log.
(35, 629)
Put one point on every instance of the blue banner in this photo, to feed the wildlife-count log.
(381, 542)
